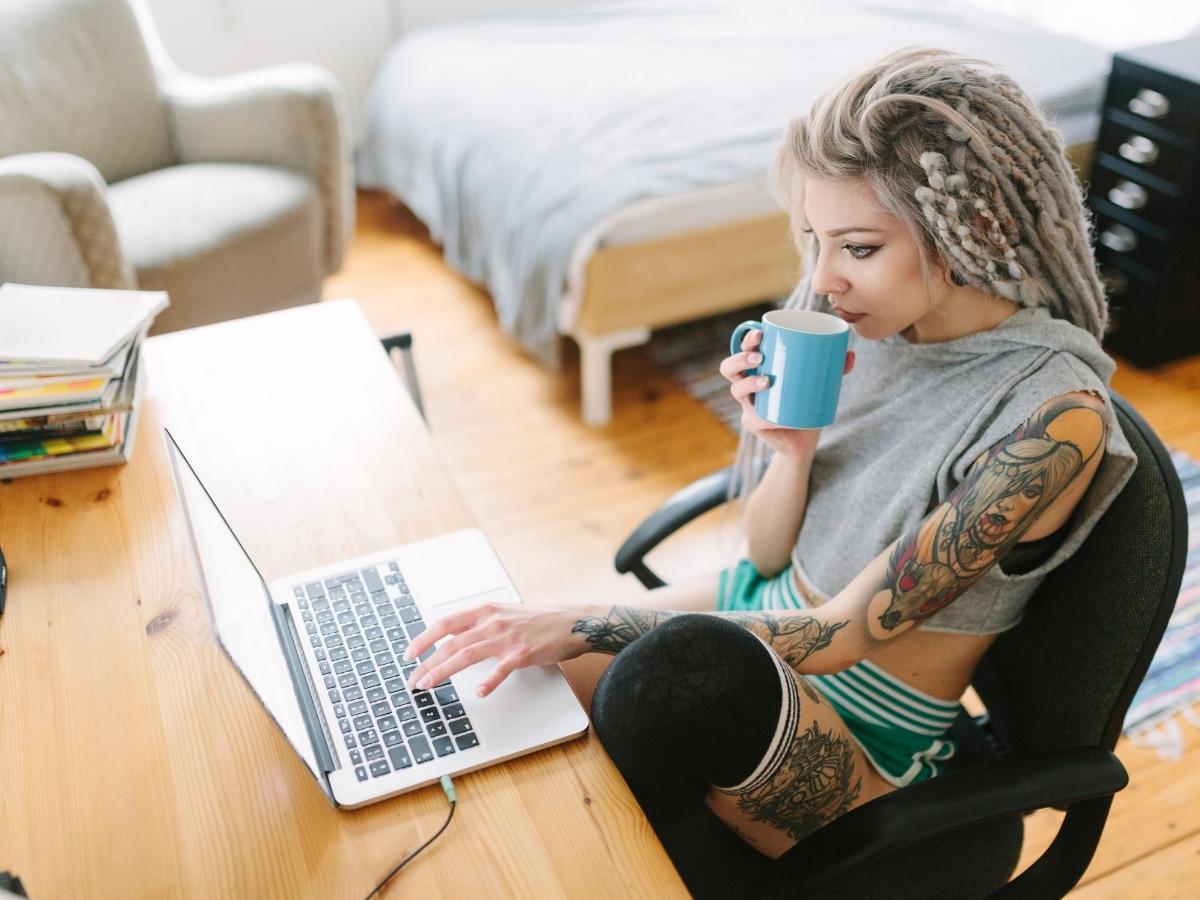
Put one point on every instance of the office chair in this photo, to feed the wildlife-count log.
(1056, 687)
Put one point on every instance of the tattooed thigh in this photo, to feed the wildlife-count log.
(813, 773)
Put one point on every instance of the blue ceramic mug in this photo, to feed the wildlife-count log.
(804, 355)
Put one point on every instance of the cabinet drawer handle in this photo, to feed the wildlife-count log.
(1150, 104)
(1128, 195)
(1140, 150)
(1119, 238)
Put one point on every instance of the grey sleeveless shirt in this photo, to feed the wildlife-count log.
(911, 421)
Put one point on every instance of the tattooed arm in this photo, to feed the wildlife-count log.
(1026, 486)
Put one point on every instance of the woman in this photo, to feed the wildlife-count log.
(974, 449)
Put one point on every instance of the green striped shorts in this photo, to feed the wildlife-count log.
(902, 731)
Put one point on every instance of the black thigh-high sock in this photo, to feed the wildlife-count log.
(697, 701)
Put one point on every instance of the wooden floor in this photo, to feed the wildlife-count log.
(557, 497)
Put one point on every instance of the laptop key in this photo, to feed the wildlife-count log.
(378, 646)
(406, 600)
(460, 726)
(365, 667)
(358, 654)
(467, 741)
(310, 627)
(339, 710)
(386, 723)
(320, 605)
(376, 693)
(399, 757)
(341, 605)
(430, 715)
(455, 711)
(389, 672)
(330, 681)
(350, 630)
(360, 772)
(390, 621)
(371, 578)
(384, 658)
(320, 654)
(357, 708)
(404, 713)
(353, 694)
(398, 647)
(422, 699)
(446, 695)
(347, 680)
(411, 728)
(443, 745)
(361, 723)
(373, 632)
(342, 666)
(373, 752)
(344, 725)
(415, 628)
(355, 757)
(394, 685)
(436, 729)
(335, 697)
(336, 653)
(392, 738)
(369, 620)
(356, 642)
(420, 749)
(333, 640)
(324, 617)
(325, 667)
(381, 709)
(370, 681)
(368, 737)
(396, 634)
(379, 767)
(350, 745)
(315, 590)
(316, 641)
(409, 614)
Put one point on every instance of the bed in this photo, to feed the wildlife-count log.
(602, 169)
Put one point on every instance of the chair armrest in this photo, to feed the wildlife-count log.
(291, 115)
(56, 226)
(683, 506)
(955, 799)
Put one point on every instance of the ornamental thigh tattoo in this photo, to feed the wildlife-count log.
(996, 504)
(813, 785)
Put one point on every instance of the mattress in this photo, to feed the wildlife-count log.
(524, 142)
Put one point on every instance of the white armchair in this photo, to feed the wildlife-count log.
(233, 194)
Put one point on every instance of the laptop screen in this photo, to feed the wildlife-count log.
(239, 606)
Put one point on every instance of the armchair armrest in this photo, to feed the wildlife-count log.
(291, 115)
(1083, 779)
(56, 226)
(694, 500)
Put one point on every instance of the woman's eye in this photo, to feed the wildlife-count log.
(859, 251)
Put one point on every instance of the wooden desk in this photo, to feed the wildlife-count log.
(135, 762)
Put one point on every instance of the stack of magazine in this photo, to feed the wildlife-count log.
(69, 367)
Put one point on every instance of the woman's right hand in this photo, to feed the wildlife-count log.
(795, 442)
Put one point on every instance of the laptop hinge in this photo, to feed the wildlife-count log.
(314, 720)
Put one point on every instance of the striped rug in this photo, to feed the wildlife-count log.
(1171, 689)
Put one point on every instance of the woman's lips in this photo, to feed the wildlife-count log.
(850, 317)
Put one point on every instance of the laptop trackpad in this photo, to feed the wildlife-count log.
(496, 595)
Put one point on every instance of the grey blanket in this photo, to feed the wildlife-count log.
(510, 136)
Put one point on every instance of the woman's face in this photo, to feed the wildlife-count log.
(868, 263)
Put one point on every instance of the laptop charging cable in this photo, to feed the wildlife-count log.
(448, 787)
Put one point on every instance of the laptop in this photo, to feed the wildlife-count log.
(323, 648)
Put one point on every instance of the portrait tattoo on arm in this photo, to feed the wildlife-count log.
(999, 500)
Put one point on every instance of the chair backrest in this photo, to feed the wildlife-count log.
(75, 76)
(1066, 675)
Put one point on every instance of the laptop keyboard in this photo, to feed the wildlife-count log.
(359, 625)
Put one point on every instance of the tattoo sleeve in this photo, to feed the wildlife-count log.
(793, 637)
(998, 501)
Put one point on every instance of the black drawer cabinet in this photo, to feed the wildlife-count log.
(1144, 193)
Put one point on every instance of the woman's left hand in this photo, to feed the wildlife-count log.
(516, 635)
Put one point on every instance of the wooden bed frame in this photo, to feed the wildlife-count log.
(630, 290)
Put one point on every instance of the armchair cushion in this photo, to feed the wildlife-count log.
(289, 116)
(76, 77)
(214, 234)
(57, 228)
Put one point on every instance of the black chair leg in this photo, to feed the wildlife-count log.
(403, 343)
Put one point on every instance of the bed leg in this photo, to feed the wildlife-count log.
(595, 369)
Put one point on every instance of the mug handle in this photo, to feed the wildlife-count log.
(735, 342)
